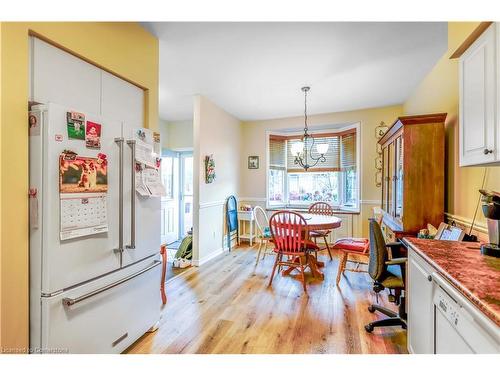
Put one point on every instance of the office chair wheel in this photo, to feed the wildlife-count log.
(369, 328)
(371, 309)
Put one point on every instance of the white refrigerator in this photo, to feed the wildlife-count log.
(96, 293)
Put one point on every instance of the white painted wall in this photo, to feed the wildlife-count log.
(177, 135)
(219, 133)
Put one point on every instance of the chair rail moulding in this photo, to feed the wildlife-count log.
(246, 199)
(466, 223)
(212, 204)
(370, 201)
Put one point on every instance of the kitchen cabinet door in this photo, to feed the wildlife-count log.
(477, 101)
(61, 78)
(121, 100)
(420, 308)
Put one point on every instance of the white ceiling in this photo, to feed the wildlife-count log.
(255, 70)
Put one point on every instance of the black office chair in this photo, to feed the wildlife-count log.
(386, 274)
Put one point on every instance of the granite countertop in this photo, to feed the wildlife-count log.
(476, 276)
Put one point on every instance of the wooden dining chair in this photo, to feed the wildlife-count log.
(354, 250)
(290, 237)
(264, 234)
(321, 208)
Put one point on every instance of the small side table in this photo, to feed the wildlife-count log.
(245, 217)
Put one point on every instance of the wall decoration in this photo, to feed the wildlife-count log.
(209, 169)
(75, 123)
(379, 133)
(93, 135)
(253, 162)
(80, 174)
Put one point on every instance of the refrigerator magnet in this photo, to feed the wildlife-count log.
(75, 123)
(93, 135)
(34, 123)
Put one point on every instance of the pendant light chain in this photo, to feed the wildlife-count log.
(305, 110)
(302, 155)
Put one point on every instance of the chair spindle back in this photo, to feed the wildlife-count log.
(321, 208)
(289, 231)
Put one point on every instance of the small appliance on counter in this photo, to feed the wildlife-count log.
(491, 210)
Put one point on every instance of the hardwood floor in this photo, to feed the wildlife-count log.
(225, 307)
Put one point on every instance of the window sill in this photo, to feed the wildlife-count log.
(336, 210)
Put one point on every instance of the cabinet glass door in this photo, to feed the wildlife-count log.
(385, 186)
(399, 177)
(390, 179)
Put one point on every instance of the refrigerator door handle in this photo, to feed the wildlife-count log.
(74, 301)
(131, 143)
(119, 141)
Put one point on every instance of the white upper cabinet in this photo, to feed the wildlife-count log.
(478, 105)
(122, 100)
(59, 77)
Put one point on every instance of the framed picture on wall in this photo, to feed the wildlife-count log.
(253, 162)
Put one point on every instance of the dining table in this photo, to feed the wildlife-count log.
(315, 222)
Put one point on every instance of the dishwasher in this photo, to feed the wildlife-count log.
(458, 327)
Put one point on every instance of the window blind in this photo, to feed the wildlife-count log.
(348, 151)
(277, 149)
(341, 154)
(332, 162)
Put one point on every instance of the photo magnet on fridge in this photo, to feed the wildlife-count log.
(76, 125)
(34, 123)
(80, 174)
(93, 135)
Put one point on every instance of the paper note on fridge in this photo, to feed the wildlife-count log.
(148, 183)
(144, 153)
(153, 182)
(147, 147)
(140, 187)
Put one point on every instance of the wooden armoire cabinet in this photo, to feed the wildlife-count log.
(413, 175)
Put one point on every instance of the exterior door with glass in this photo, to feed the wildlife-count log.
(186, 193)
(170, 203)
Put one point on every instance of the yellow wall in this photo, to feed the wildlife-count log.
(439, 92)
(125, 49)
(253, 136)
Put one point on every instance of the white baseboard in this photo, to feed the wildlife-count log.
(210, 256)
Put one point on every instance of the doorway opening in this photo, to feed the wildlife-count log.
(176, 205)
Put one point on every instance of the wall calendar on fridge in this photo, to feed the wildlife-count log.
(83, 183)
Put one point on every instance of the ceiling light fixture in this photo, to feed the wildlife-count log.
(300, 149)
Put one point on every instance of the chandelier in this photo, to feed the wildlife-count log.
(303, 150)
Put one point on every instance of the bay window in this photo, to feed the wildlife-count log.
(334, 181)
